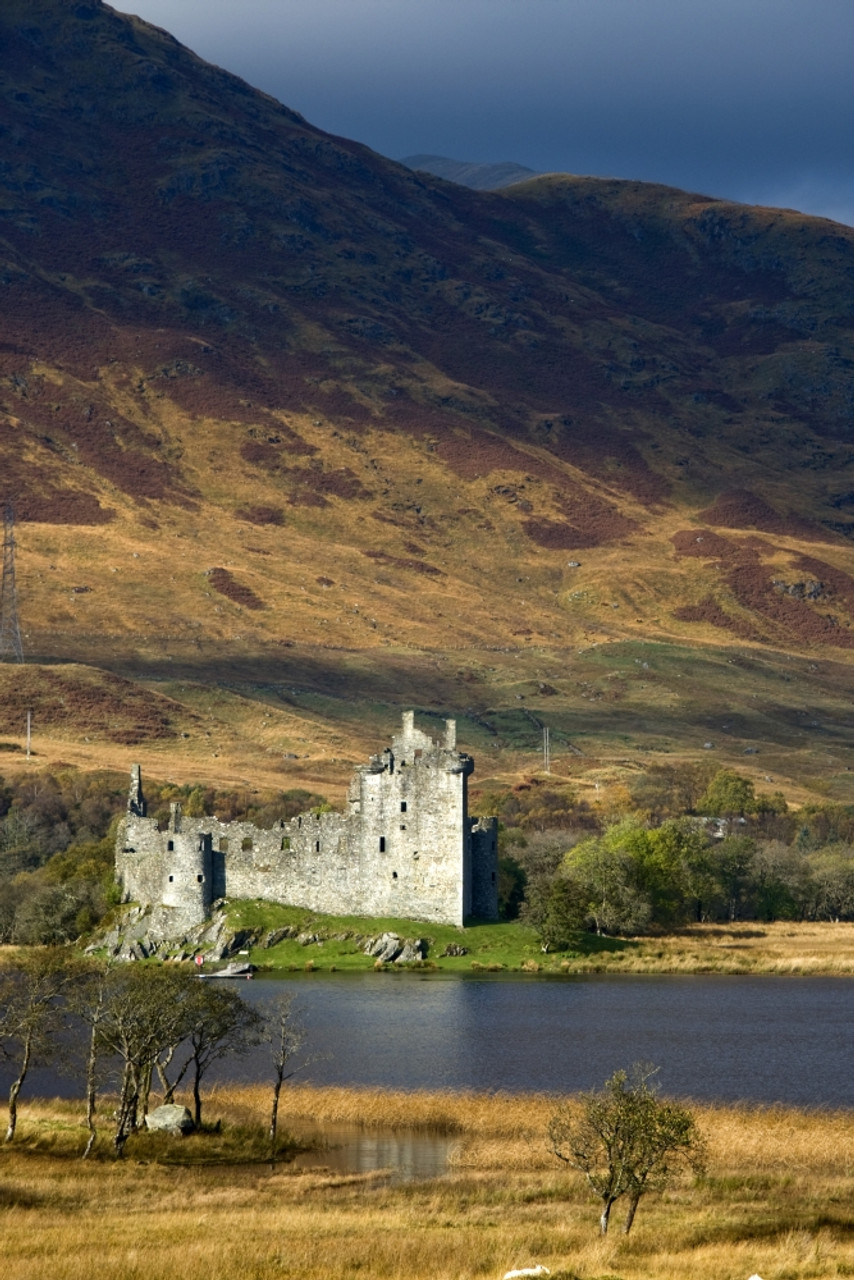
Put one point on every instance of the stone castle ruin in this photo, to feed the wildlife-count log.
(405, 846)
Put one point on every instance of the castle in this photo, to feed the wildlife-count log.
(405, 847)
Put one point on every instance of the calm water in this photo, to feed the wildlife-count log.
(715, 1038)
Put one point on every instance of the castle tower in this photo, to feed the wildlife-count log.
(187, 887)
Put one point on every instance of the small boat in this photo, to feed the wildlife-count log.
(231, 971)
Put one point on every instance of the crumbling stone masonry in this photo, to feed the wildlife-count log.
(405, 847)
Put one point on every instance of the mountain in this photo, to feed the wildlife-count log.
(480, 177)
(297, 436)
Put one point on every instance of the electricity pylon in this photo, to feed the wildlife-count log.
(10, 632)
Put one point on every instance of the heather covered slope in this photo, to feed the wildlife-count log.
(268, 399)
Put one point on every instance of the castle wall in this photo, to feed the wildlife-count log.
(484, 863)
(404, 847)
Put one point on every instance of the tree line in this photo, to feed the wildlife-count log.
(681, 844)
(123, 1027)
(684, 846)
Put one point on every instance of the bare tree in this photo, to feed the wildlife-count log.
(145, 1011)
(286, 1037)
(88, 1002)
(625, 1140)
(220, 1025)
(30, 1016)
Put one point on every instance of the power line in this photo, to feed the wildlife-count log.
(11, 645)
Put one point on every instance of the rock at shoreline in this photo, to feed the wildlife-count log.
(172, 1119)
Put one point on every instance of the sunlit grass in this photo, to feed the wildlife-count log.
(783, 947)
(776, 1200)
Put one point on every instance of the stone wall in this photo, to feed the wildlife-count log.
(405, 847)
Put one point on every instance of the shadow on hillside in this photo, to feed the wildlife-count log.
(675, 699)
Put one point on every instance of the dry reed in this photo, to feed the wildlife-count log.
(775, 1201)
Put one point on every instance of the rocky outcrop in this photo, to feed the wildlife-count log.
(143, 932)
(390, 948)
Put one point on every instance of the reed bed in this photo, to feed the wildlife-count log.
(775, 1201)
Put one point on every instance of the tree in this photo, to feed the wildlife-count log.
(558, 911)
(220, 1024)
(625, 1140)
(727, 795)
(670, 790)
(285, 1036)
(144, 1013)
(608, 869)
(30, 1016)
(732, 860)
(88, 999)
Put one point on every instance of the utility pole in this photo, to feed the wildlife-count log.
(547, 751)
(10, 632)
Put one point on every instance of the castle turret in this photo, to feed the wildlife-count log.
(187, 887)
(136, 800)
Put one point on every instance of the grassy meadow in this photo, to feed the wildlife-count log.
(775, 1200)
(781, 947)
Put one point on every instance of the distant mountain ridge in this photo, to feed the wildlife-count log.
(467, 173)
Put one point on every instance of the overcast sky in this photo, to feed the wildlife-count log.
(747, 99)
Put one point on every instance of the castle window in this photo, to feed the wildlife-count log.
(382, 844)
(170, 846)
(201, 879)
(403, 806)
(493, 877)
(246, 844)
(286, 842)
(223, 845)
(317, 846)
(394, 875)
(171, 878)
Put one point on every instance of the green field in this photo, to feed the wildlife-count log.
(336, 944)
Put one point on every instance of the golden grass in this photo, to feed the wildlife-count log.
(776, 1202)
(782, 947)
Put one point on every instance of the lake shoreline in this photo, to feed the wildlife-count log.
(782, 948)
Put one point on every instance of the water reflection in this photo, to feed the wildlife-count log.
(402, 1155)
(764, 1039)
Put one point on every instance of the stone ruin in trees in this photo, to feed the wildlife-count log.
(404, 846)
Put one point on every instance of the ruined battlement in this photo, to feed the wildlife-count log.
(405, 846)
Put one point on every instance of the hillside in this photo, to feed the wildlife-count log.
(480, 177)
(297, 436)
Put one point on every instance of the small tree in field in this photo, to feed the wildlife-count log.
(625, 1140)
(285, 1036)
(30, 1017)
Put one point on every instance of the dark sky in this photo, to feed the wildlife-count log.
(747, 99)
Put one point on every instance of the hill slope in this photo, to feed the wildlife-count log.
(480, 177)
(279, 414)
